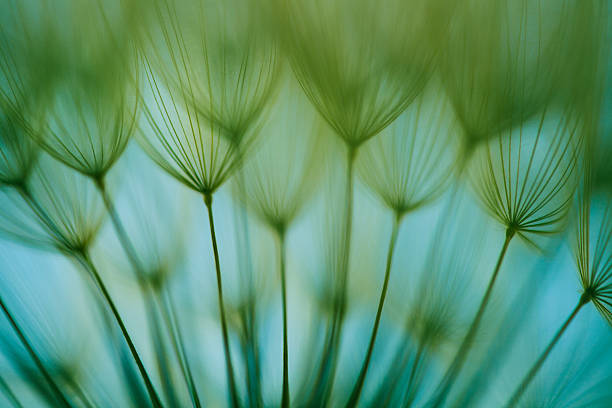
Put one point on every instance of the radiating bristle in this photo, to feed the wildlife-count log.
(319, 208)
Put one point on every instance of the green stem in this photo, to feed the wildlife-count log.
(82, 395)
(176, 338)
(124, 239)
(138, 268)
(249, 315)
(538, 364)
(461, 355)
(411, 389)
(356, 393)
(228, 358)
(399, 362)
(10, 395)
(84, 259)
(28, 346)
(330, 362)
(44, 217)
(162, 361)
(285, 401)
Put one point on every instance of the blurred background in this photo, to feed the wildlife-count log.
(346, 150)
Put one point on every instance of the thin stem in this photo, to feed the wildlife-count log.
(330, 362)
(285, 401)
(249, 314)
(228, 358)
(399, 362)
(459, 359)
(42, 215)
(348, 227)
(410, 389)
(176, 337)
(84, 259)
(28, 346)
(138, 268)
(124, 239)
(80, 393)
(538, 364)
(326, 372)
(161, 356)
(10, 395)
(356, 393)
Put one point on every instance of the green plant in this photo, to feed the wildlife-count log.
(362, 155)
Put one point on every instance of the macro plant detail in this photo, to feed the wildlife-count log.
(495, 70)
(405, 193)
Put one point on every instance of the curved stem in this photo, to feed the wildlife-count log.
(285, 401)
(459, 359)
(84, 259)
(37, 361)
(538, 364)
(228, 358)
(356, 393)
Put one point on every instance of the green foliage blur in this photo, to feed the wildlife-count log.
(317, 203)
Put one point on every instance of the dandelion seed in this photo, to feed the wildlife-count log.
(278, 179)
(403, 168)
(183, 143)
(89, 124)
(498, 64)
(578, 378)
(346, 63)
(59, 351)
(341, 64)
(282, 173)
(20, 114)
(58, 395)
(193, 148)
(231, 65)
(18, 154)
(409, 164)
(436, 300)
(56, 208)
(90, 110)
(594, 272)
(60, 209)
(526, 179)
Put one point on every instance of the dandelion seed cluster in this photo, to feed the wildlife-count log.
(317, 203)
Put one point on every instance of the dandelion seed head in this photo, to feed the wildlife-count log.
(499, 64)
(347, 64)
(18, 153)
(526, 177)
(59, 209)
(215, 55)
(410, 162)
(90, 122)
(282, 172)
(188, 146)
(204, 91)
(593, 250)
